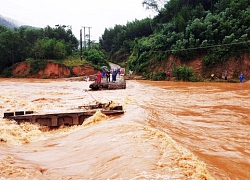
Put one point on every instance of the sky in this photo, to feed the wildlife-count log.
(94, 15)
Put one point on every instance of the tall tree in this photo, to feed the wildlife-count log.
(11, 48)
(155, 5)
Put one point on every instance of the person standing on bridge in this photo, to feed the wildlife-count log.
(114, 73)
(103, 74)
(108, 75)
(99, 77)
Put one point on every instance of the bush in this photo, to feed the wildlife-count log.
(184, 73)
(233, 80)
(96, 57)
(159, 76)
(37, 65)
(7, 73)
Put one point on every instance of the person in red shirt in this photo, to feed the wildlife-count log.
(99, 77)
(168, 75)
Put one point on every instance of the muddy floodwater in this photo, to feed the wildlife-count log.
(170, 130)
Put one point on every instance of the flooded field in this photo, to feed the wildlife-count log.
(170, 130)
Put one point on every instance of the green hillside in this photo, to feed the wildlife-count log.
(212, 30)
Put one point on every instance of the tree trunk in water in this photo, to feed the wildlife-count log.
(108, 85)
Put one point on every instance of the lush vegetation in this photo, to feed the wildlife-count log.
(40, 45)
(184, 73)
(212, 29)
(19, 44)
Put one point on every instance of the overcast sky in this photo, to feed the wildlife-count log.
(97, 14)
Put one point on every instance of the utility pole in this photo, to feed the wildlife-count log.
(89, 37)
(81, 43)
(84, 37)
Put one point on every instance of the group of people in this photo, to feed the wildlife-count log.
(114, 73)
(241, 77)
(107, 74)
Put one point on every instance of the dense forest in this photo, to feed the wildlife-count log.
(213, 30)
(21, 43)
(40, 45)
(186, 29)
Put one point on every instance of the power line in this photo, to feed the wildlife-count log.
(205, 47)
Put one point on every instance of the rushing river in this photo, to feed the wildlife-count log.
(170, 130)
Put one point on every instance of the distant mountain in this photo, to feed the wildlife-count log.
(11, 23)
(8, 22)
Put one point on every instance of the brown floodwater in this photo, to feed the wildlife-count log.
(170, 130)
